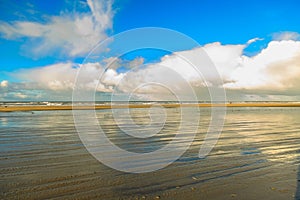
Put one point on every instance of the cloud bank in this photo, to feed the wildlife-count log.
(272, 74)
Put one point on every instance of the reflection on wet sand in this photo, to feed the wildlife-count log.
(256, 157)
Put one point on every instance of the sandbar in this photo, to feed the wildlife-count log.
(166, 105)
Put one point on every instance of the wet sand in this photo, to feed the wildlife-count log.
(257, 157)
(99, 107)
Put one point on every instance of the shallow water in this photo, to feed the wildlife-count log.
(256, 157)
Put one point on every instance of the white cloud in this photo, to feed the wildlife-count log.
(225, 57)
(175, 70)
(276, 67)
(253, 40)
(55, 77)
(272, 74)
(70, 34)
(62, 76)
(20, 95)
(4, 83)
(286, 35)
(135, 63)
(111, 77)
(274, 71)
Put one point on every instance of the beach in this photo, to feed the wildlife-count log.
(256, 157)
(166, 105)
(150, 100)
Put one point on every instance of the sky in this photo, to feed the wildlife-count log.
(254, 46)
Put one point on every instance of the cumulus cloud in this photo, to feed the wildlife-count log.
(274, 71)
(226, 58)
(275, 68)
(70, 34)
(175, 70)
(271, 74)
(55, 77)
(62, 77)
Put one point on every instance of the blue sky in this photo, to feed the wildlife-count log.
(231, 22)
(207, 21)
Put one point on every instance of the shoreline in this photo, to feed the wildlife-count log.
(120, 106)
